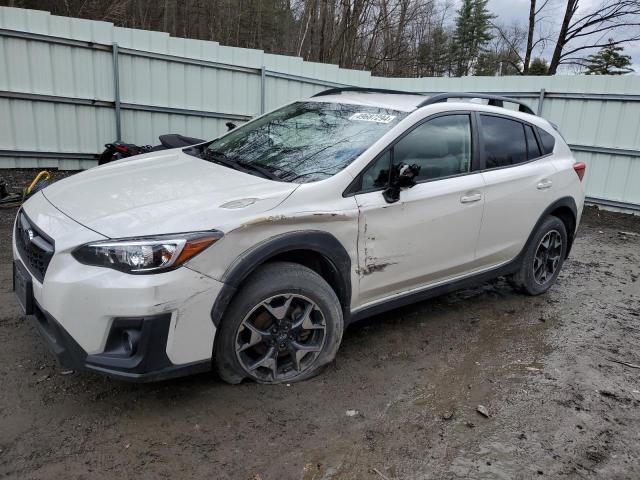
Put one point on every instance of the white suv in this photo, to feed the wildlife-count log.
(250, 253)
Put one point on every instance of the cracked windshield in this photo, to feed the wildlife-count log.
(302, 142)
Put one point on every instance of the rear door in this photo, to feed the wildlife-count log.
(430, 234)
(519, 186)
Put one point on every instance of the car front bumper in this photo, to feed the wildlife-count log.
(89, 315)
(149, 362)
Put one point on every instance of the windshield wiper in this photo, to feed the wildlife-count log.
(260, 169)
(238, 164)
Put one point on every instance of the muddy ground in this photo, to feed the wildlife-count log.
(546, 369)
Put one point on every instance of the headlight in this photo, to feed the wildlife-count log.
(146, 254)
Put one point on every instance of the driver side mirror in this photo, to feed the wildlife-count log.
(402, 176)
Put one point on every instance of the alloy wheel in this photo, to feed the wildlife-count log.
(547, 257)
(281, 337)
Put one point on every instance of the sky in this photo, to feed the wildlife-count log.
(510, 10)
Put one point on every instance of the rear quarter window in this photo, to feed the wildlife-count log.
(548, 141)
(533, 148)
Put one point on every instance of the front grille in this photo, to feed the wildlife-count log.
(34, 246)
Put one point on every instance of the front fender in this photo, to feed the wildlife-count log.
(320, 242)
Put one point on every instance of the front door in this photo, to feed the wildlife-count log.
(430, 234)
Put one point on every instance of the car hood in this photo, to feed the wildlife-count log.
(164, 192)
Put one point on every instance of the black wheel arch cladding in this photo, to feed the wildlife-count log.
(566, 210)
(335, 263)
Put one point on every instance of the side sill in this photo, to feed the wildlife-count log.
(401, 301)
(174, 371)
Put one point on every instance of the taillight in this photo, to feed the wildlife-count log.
(580, 167)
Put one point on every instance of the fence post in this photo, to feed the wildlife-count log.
(540, 101)
(263, 89)
(116, 91)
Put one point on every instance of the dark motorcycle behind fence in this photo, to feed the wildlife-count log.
(117, 150)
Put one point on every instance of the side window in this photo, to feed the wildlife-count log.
(441, 147)
(504, 141)
(548, 142)
(532, 144)
(377, 175)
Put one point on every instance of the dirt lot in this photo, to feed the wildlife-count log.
(545, 368)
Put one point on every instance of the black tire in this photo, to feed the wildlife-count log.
(310, 309)
(530, 278)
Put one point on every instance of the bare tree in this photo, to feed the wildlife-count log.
(535, 11)
(521, 44)
(388, 37)
(592, 29)
(507, 45)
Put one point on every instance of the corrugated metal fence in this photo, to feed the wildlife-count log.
(67, 86)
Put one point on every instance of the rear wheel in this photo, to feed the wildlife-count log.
(283, 325)
(543, 258)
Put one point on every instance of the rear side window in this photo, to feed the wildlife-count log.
(504, 141)
(533, 148)
(548, 142)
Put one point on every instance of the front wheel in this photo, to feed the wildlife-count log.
(284, 324)
(543, 258)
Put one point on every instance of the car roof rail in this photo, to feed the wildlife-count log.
(334, 91)
(494, 100)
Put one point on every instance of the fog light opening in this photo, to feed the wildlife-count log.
(130, 339)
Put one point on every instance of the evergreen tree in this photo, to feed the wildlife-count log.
(500, 63)
(472, 33)
(538, 66)
(609, 61)
(433, 54)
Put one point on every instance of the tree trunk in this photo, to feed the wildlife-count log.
(397, 41)
(532, 26)
(572, 5)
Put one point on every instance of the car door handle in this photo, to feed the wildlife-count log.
(470, 198)
(544, 184)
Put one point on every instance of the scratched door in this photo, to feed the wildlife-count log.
(428, 236)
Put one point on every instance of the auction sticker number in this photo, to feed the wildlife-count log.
(372, 117)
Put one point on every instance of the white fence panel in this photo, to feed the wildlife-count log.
(60, 101)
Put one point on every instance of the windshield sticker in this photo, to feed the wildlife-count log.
(372, 117)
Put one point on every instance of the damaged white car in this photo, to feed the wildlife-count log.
(250, 253)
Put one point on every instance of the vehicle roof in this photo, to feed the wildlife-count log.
(393, 101)
(404, 102)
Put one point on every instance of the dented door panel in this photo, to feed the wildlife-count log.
(427, 236)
